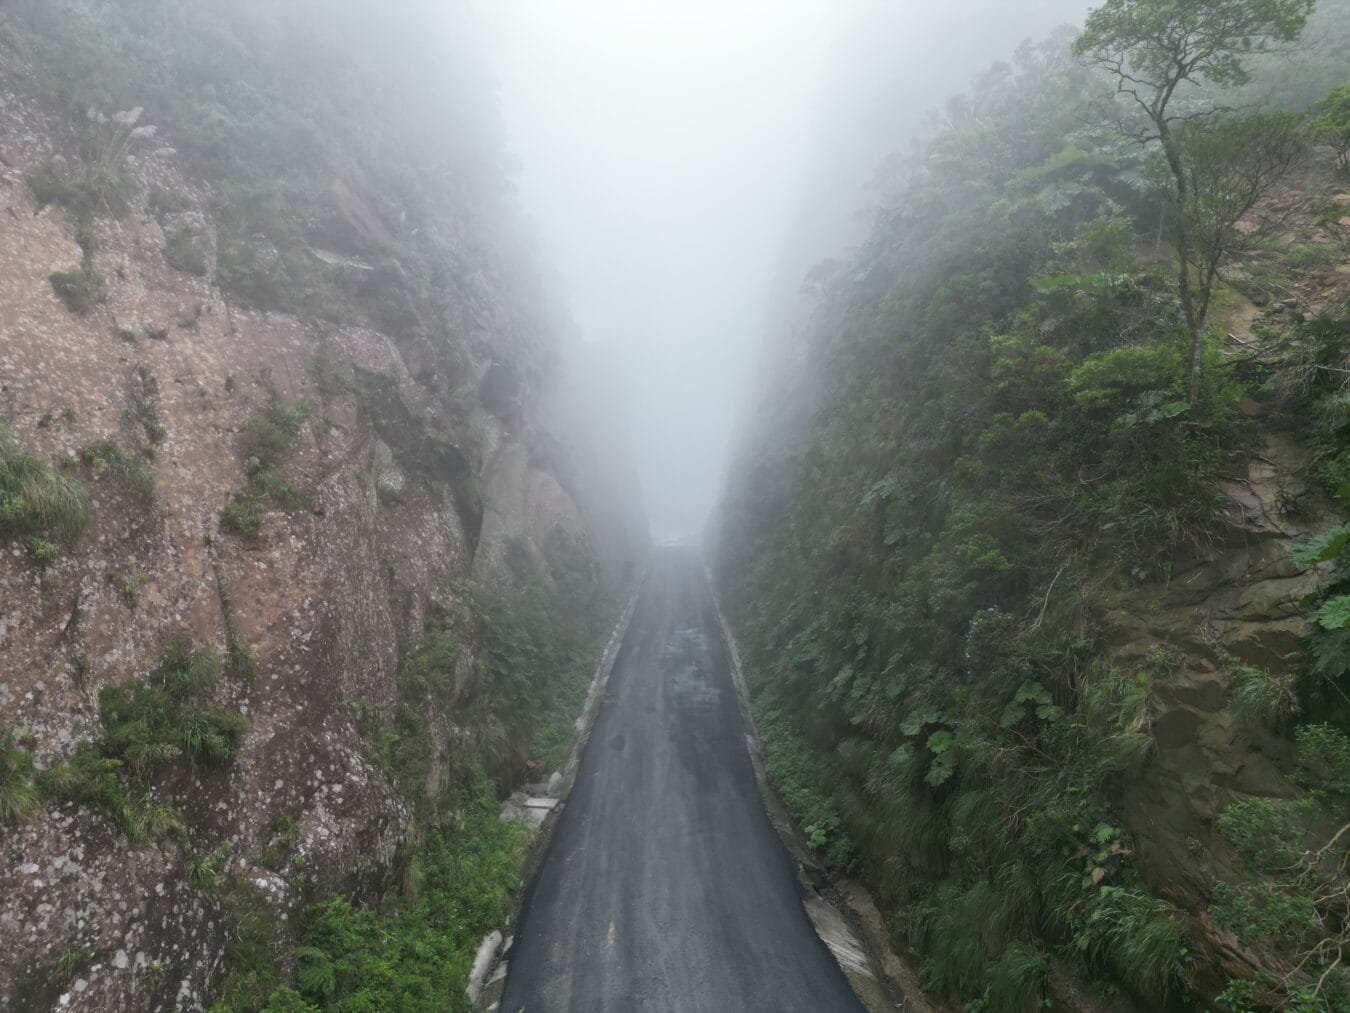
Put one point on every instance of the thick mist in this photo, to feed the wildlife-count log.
(685, 164)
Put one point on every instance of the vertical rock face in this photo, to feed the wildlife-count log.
(416, 462)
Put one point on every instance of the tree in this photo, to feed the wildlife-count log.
(1155, 47)
(1331, 125)
(1228, 165)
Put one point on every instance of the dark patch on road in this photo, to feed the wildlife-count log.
(664, 886)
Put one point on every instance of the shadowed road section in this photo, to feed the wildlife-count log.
(665, 887)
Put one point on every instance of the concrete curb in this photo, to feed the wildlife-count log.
(488, 977)
(841, 911)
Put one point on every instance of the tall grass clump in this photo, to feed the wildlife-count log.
(19, 797)
(34, 497)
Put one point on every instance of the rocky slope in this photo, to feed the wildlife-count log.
(408, 464)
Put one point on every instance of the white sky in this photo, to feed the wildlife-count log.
(671, 156)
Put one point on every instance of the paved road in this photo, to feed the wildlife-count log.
(665, 887)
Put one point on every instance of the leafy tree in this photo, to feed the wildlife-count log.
(1228, 165)
(1155, 47)
(1331, 125)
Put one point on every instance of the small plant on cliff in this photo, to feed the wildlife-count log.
(100, 182)
(19, 797)
(266, 436)
(264, 440)
(40, 551)
(148, 723)
(145, 408)
(1262, 698)
(130, 472)
(203, 871)
(243, 515)
(81, 289)
(240, 660)
(34, 498)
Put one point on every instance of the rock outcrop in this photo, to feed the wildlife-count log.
(422, 464)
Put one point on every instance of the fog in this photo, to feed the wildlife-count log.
(683, 165)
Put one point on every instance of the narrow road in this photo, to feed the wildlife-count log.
(665, 887)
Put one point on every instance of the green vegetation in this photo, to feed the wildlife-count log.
(36, 500)
(1018, 419)
(1331, 124)
(412, 947)
(240, 660)
(19, 795)
(148, 723)
(41, 551)
(264, 440)
(417, 958)
(403, 746)
(1214, 174)
(1262, 698)
(130, 472)
(410, 953)
(81, 289)
(145, 408)
(1323, 419)
(99, 183)
(204, 871)
(1294, 900)
(71, 963)
(148, 726)
(540, 643)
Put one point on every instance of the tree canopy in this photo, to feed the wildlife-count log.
(1154, 46)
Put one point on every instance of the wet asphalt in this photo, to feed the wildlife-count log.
(664, 887)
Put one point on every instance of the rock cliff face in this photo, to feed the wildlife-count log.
(1239, 604)
(414, 468)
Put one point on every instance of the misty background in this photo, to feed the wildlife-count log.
(684, 165)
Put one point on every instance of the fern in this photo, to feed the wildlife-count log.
(1262, 698)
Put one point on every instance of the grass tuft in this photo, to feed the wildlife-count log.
(34, 497)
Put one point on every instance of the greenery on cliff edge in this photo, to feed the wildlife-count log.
(1008, 436)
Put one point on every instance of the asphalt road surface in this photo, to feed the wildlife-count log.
(664, 886)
